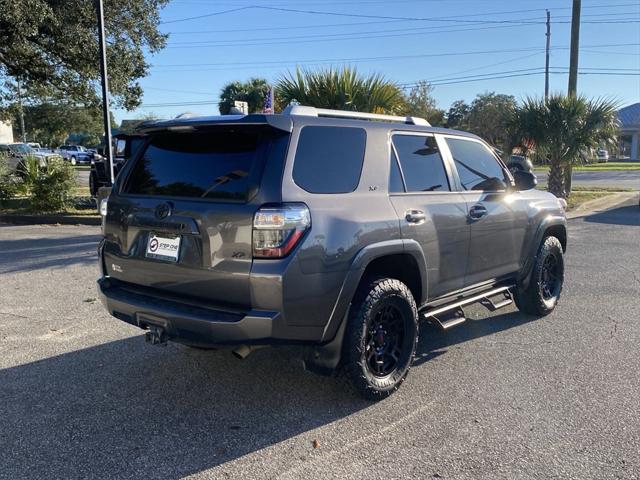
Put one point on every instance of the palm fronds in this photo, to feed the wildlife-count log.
(342, 89)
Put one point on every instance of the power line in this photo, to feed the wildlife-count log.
(327, 25)
(328, 37)
(357, 35)
(377, 58)
(341, 14)
(454, 80)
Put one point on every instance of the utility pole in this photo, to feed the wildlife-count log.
(105, 88)
(21, 110)
(575, 47)
(546, 63)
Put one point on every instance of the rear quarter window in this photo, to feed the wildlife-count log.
(329, 159)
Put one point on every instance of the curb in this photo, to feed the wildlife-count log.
(51, 220)
(600, 204)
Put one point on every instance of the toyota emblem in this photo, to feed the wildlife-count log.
(163, 210)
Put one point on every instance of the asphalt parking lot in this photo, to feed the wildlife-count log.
(506, 397)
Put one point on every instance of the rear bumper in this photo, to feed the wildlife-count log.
(188, 323)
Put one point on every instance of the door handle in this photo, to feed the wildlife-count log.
(477, 211)
(414, 216)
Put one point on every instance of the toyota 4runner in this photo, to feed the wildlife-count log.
(334, 230)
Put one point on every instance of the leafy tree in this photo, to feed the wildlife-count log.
(53, 123)
(563, 128)
(253, 92)
(342, 89)
(489, 115)
(457, 115)
(420, 103)
(51, 47)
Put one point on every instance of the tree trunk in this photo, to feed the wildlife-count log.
(555, 183)
(568, 170)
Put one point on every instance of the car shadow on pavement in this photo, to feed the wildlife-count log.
(626, 215)
(434, 341)
(127, 410)
(37, 253)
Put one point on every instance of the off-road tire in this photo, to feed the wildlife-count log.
(374, 298)
(537, 298)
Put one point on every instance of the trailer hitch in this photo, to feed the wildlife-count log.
(156, 336)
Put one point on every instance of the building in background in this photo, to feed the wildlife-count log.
(629, 118)
(6, 132)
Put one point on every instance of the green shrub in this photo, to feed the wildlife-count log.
(8, 183)
(52, 190)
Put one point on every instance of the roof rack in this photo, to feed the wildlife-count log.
(323, 112)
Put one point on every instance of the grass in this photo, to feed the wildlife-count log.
(582, 188)
(577, 198)
(598, 167)
(582, 194)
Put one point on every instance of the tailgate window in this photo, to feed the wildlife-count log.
(218, 163)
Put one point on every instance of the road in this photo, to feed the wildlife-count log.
(505, 397)
(624, 180)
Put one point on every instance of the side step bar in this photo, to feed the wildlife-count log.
(452, 314)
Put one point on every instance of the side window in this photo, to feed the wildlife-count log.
(422, 166)
(395, 177)
(477, 168)
(329, 159)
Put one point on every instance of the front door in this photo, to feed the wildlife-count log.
(431, 212)
(496, 215)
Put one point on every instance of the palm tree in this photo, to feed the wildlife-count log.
(342, 89)
(564, 129)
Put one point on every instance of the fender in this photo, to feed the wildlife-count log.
(531, 251)
(324, 359)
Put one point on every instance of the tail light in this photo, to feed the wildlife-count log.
(278, 229)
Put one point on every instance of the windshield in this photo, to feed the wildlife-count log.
(21, 148)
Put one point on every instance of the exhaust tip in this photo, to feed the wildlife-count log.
(243, 351)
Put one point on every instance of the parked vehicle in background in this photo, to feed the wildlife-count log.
(334, 230)
(602, 155)
(17, 152)
(125, 147)
(75, 154)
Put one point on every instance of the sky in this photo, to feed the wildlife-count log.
(463, 47)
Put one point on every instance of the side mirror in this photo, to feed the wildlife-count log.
(524, 180)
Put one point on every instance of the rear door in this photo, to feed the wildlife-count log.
(497, 217)
(181, 221)
(431, 212)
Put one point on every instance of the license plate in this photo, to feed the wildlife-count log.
(163, 248)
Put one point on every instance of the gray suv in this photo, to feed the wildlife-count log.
(333, 230)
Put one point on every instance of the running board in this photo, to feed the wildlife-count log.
(452, 314)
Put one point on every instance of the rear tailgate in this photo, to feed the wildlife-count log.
(181, 221)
